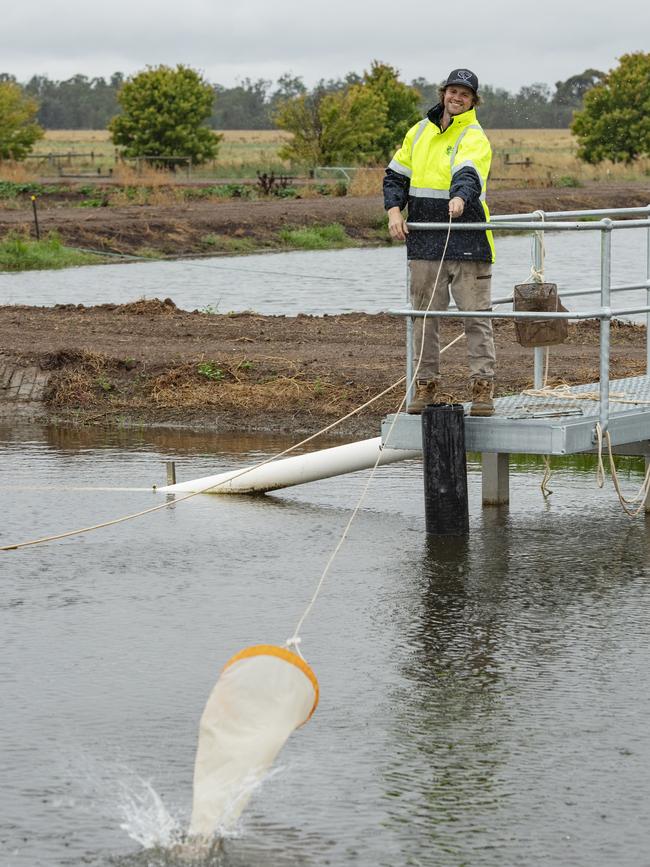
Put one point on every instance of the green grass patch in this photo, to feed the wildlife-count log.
(11, 189)
(219, 191)
(227, 244)
(210, 370)
(568, 181)
(316, 237)
(148, 253)
(18, 253)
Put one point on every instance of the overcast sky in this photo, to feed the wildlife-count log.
(507, 44)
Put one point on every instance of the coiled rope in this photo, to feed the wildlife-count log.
(641, 495)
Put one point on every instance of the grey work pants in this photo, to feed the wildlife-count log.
(470, 285)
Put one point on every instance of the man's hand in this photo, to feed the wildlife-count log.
(456, 207)
(397, 227)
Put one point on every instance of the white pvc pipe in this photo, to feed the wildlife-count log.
(297, 470)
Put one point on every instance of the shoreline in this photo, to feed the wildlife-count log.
(230, 226)
(150, 364)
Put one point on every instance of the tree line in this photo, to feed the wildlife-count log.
(166, 114)
(90, 103)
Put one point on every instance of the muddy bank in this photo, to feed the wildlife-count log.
(220, 225)
(150, 363)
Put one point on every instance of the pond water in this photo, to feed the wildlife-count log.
(481, 702)
(332, 281)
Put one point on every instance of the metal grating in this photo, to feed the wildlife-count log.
(523, 424)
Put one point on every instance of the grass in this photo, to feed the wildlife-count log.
(10, 189)
(521, 158)
(210, 370)
(18, 253)
(553, 161)
(241, 153)
(228, 244)
(316, 237)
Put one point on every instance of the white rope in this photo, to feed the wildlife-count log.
(294, 640)
(641, 495)
(564, 392)
(537, 274)
(182, 499)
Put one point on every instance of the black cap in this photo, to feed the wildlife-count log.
(463, 76)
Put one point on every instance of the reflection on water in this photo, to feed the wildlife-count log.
(482, 700)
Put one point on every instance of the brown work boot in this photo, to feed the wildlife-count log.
(426, 392)
(482, 394)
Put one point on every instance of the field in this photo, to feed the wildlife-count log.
(522, 158)
(241, 154)
(553, 161)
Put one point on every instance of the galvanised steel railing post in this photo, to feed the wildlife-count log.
(538, 264)
(647, 318)
(605, 287)
(409, 340)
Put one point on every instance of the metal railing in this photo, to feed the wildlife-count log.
(539, 222)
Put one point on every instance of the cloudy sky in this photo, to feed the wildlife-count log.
(506, 43)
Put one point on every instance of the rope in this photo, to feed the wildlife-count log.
(212, 487)
(563, 392)
(294, 640)
(641, 495)
(134, 258)
(537, 274)
(546, 491)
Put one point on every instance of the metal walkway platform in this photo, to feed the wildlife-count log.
(523, 424)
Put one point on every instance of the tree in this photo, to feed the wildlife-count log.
(572, 91)
(333, 128)
(402, 106)
(163, 114)
(18, 128)
(288, 86)
(242, 107)
(615, 121)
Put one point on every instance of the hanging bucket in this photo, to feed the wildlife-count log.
(263, 694)
(533, 297)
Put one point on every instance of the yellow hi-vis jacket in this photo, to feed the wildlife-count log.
(433, 166)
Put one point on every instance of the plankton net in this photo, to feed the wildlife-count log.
(263, 694)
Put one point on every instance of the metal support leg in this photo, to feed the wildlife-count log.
(538, 277)
(495, 478)
(538, 375)
(647, 499)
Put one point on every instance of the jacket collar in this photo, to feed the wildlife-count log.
(465, 119)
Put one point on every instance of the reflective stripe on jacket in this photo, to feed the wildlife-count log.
(433, 166)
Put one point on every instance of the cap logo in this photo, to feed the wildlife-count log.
(464, 74)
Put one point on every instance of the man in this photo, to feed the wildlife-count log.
(440, 172)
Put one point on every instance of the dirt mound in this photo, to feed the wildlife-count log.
(146, 307)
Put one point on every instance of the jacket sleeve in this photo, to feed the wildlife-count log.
(397, 179)
(396, 189)
(471, 166)
(466, 184)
